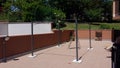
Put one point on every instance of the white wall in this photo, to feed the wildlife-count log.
(42, 28)
(17, 29)
(3, 29)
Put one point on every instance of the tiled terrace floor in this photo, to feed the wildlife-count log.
(62, 57)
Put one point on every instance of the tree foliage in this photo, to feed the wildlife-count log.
(42, 10)
(30, 10)
(94, 10)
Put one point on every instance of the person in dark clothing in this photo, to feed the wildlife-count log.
(116, 54)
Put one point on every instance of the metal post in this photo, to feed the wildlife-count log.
(77, 60)
(90, 35)
(32, 39)
(5, 39)
(59, 40)
(4, 50)
(32, 36)
(32, 42)
(58, 27)
(76, 30)
(90, 46)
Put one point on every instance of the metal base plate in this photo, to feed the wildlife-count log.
(32, 56)
(90, 49)
(58, 46)
(75, 61)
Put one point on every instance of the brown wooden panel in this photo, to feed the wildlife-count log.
(1, 41)
(20, 44)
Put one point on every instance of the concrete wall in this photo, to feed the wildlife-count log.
(25, 29)
(16, 29)
(3, 29)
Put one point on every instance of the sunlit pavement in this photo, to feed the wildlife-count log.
(63, 56)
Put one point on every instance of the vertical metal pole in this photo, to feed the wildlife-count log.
(76, 29)
(59, 41)
(4, 50)
(5, 39)
(90, 35)
(32, 39)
